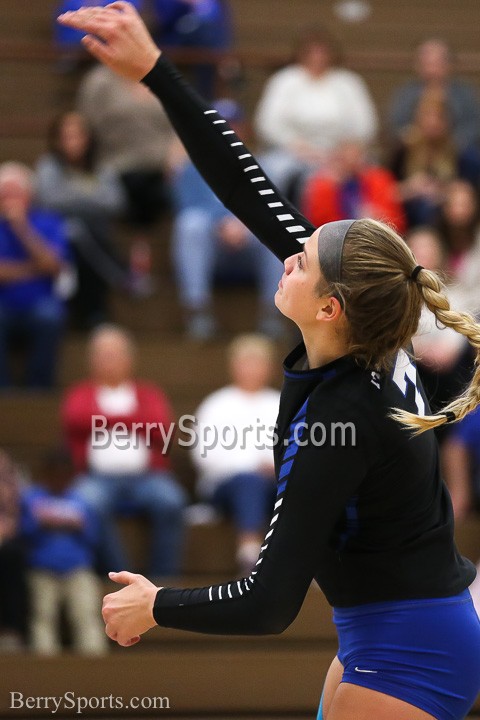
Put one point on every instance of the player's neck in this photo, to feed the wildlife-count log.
(324, 348)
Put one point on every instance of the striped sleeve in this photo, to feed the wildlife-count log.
(315, 484)
(227, 165)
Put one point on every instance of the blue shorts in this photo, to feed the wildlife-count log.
(425, 652)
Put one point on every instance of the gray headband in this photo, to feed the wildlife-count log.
(330, 248)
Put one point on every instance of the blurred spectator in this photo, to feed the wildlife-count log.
(352, 187)
(461, 467)
(67, 40)
(238, 477)
(311, 106)
(200, 24)
(434, 68)
(13, 593)
(116, 427)
(461, 463)
(459, 226)
(209, 243)
(444, 357)
(427, 158)
(32, 250)
(62, 536)
(70, 182)
(133, 135)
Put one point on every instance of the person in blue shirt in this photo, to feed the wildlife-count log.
(200, 24)
(461, 454)
(209, 243)
(61, 536)
(68, 39)
(33, 249)
(461, 466)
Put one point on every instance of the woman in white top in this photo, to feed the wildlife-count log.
(236, 434)
(312, 105)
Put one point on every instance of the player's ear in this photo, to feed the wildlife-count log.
(329, 309)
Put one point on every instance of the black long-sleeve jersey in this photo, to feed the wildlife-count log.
(361, 506)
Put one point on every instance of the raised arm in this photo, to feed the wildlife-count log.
(221, 157)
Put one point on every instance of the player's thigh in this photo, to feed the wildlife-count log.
(353, 702)
(332, 681)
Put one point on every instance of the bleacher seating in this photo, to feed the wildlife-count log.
(204, 676)
(380, 48)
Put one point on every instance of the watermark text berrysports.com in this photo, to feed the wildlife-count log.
(192, 434)
(79, 704)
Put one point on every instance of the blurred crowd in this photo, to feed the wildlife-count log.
(112, 163)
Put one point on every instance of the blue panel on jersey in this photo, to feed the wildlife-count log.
(352, 521)
(285, 469)
(281, 487)
(292, 448)
(306, 375)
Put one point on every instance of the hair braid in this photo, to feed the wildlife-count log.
(434, 297)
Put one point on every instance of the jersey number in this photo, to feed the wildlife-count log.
(405, 370)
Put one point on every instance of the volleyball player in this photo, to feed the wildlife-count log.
(367, 516)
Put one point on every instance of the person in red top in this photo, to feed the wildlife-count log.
(352, 187)
(118, 429)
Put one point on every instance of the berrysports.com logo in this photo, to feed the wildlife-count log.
(205, 438)
(78, 704)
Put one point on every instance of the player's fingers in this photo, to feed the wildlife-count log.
(106, 609)
(123, 578)
(92, 20)
(126, 7)
(112, 634)
(97, 48)
(129, 642)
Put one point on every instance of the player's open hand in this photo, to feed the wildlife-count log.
(128, 613)
(117, 36)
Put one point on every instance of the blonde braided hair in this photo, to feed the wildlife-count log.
(433, 293)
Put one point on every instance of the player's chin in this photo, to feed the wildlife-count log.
(281, 303)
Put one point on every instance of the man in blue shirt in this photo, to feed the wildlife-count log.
(209, 244)
(32, 248)
(205, 24)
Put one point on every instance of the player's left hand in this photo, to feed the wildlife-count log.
(128, 613)
(116, 36)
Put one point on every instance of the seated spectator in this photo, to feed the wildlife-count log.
(238, 478)
(461, 467)
(210, 243)
(352, 187)
(67, 40)
(444, 357)
(13, 591)
(434, 68)
(61, 536)
(427, 158)
(115, 425)
(70, 182)
(133, 136)
(459, 227)
(311, 106)
(199, 24)
(461, 464)
(33, 248)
